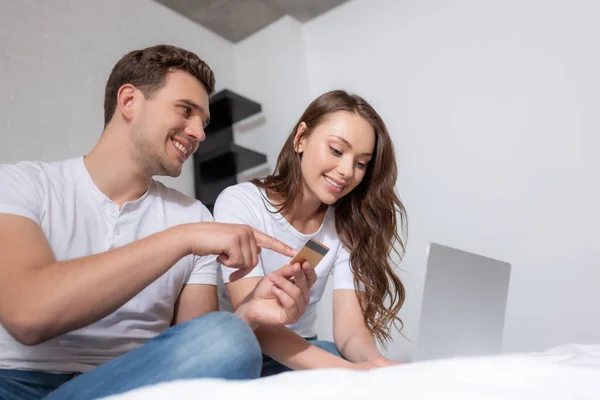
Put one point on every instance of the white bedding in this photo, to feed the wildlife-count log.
(565, 372)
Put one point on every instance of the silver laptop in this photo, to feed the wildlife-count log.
(464, 303)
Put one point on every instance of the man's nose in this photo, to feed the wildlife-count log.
(196, 130)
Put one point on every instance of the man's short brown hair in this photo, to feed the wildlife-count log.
(146, 69)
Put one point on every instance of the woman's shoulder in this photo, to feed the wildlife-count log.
(241, 203)
(244, 191)
(242, 198)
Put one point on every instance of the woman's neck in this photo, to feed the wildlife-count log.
(305, 216)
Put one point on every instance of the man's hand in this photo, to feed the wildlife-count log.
(237, 246)
(276, 300)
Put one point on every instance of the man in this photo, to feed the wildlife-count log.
(107, 277)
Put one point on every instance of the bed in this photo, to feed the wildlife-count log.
(564, 372)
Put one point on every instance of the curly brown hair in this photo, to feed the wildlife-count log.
(367, 219)
(146, 69)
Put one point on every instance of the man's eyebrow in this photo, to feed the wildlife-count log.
(347, 143)
(196, 107)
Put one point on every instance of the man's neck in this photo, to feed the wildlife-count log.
(114, 172)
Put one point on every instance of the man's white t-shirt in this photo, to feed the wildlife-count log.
(245, 203)
(79, 220)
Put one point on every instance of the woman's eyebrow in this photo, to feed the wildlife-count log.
(347, 143)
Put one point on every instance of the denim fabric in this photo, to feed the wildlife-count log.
(216, 345)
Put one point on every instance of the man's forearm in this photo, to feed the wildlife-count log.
(68, 295)
(293, 351)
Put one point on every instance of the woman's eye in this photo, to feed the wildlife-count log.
(335, 151)
(361, 165)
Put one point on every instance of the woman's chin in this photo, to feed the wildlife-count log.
(330, 198)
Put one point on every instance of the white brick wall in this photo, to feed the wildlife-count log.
(55, 57)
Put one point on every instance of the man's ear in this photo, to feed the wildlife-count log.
(127, 96)
(300, 138)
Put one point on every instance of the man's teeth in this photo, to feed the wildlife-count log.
(337, 185)
(180, 147)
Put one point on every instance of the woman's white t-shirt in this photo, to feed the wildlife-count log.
(245, 203)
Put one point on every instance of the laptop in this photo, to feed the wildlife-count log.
(464, 304)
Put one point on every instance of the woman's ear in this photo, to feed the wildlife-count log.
(300, 138)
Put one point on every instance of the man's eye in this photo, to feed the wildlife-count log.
(187, 111)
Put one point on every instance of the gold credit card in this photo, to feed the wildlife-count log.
(312, 251)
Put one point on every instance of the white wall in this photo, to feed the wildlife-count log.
(55, 58)
(270, 68)
(493, 111)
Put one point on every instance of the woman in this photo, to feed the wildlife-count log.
(333, 182)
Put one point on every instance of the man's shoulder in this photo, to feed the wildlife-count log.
(35, 170)
(178, 202)
(27, 186)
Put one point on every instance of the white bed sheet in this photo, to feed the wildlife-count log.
(564, 372)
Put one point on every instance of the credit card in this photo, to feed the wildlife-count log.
(312, 251)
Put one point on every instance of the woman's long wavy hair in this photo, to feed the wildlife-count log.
(367, 219)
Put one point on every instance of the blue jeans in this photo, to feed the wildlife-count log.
(272, 367)
(215, 345)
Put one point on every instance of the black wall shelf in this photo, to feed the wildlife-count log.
(218, 160)
(227, 108)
